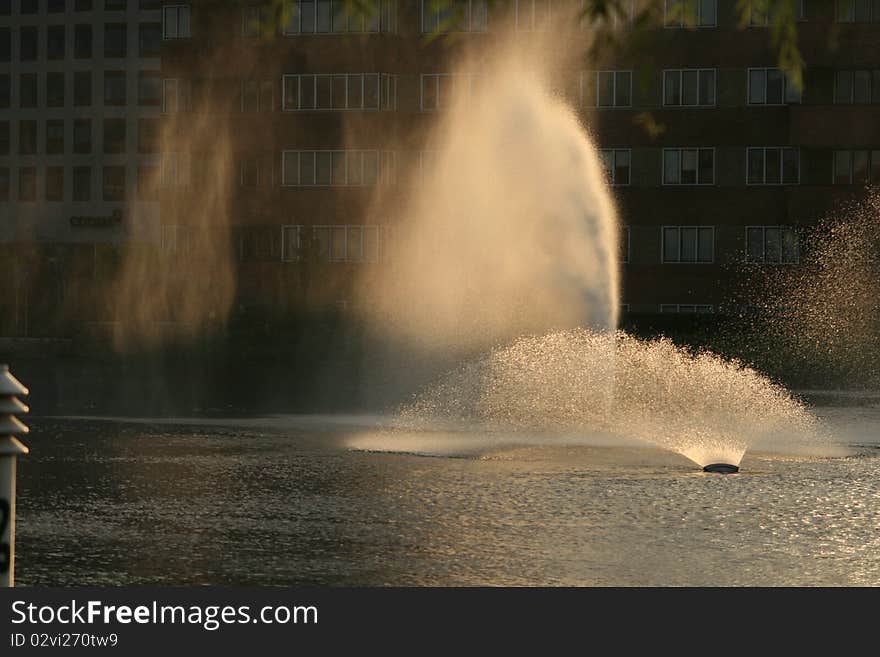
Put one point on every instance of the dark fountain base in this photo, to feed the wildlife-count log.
(721, 468)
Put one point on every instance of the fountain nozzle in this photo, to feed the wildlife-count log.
(721, 468)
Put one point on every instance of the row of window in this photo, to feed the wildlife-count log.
(327, 17)
(375, 91)
(697, 88)
(338, 243)
(353, 91)
(324, 17)
(56, 41)
(696, 245)
(777, 165)
(339, 168)
(114, 136)
(27, 7)
(113, 184)
(361, 243)
(297, 243)
(115, 88)
(305, 168)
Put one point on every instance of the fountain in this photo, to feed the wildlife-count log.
(508, 236)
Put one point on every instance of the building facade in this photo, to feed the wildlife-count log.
(715, 157)
(80, 89)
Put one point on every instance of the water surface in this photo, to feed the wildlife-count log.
(287, 501)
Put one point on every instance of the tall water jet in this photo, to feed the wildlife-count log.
(507, 227)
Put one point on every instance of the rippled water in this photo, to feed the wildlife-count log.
(288, 501)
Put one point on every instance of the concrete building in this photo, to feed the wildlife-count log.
(79, 116)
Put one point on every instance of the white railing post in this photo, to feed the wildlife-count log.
(10, 448)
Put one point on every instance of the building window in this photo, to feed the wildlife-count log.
(27, 90)
(176, 169)
(342, 168)
(770, 86)
(115, 5)
(176, 95)
(616, 162)
(149, 39)
(175, 22)
(82, 88)
(55, 41)
(856, 167)
(5, 44)
(624, 244)
(5, 90)
(115, 40)
(454, 16)
(4, 138)
(254, 19)
(689, 87)
(760, 15)
(688, 244)
(114, 88)
(148, 135)
(690, 13)
(114, 183)
(620, 15)
(686, 308)
(27, 184)
(114, 135)
(343, 243)
(533, 15)
(175, 239)
(257, 96)
(857, 87)
(55, 89)
(5, 186)
(82, 5)
(82, 184)
(438, 90)
(326, 17)
(688, 166)
(772, 245)
(258, 243)
(82, 136)
(27, 137)
(147, 177)
(358, 91)
(54, 137)
(255, 171)
(55, 6)
(54, 183)
(27, 45)
(773, 166)
(149, 88)
(606, 89)
(82, 41)
(857, 11)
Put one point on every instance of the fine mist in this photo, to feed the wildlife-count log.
(507, 227)
(822, 314)
(190, 286)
